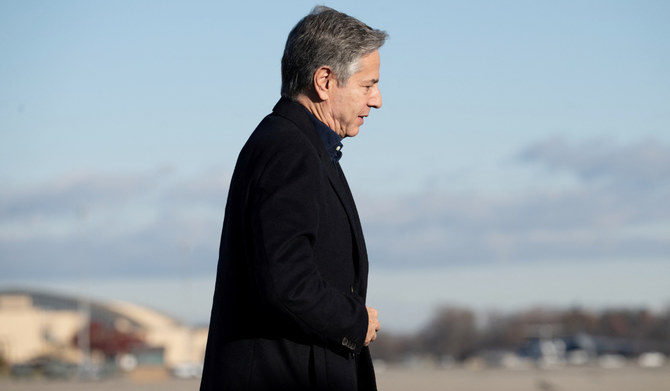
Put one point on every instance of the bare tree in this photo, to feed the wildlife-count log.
(451, 332)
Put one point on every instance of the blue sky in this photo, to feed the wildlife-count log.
(521, 157)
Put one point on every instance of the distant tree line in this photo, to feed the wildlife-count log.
(458, 334)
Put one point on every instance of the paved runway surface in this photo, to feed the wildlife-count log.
(629, 378)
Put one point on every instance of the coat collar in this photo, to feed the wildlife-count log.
(296, 113)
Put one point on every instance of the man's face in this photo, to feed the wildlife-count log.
(351, 103)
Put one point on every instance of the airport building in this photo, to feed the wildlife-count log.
(38, 325)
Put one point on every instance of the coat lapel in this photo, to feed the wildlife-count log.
(339, 183)
(298, 115)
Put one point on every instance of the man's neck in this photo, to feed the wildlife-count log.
(318, 109)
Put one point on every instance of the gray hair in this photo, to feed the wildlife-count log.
(325, 37)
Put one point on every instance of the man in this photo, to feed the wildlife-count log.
(289, 308)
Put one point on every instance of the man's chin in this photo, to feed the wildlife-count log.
(352, 132)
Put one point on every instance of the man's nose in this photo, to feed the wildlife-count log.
(376, 98)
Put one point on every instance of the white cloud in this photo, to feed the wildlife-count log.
(619, 209)
(163, 224)
(110, 224)
(644, 162)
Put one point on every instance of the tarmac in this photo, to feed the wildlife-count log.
(588, 378)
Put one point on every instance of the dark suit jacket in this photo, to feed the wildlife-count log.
(289, 304)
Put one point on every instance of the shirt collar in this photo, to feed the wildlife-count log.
(331, 140)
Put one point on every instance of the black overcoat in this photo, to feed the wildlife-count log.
(289, 303)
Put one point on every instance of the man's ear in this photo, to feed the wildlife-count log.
(324, 82)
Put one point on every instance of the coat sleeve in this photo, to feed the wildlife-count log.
(285, 220)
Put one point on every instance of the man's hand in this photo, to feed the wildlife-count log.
(373, 326)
